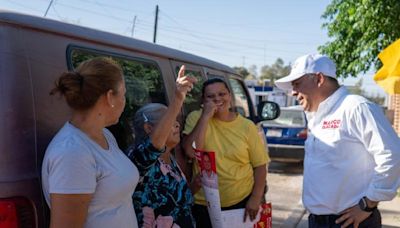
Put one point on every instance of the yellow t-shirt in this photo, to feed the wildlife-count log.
(238, 149)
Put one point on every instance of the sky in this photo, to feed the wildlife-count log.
(233, 32)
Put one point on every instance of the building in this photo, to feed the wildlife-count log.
(394, 110)
(266, 92)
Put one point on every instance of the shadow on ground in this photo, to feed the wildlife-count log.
(286, 167)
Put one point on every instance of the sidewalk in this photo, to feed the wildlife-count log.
(390, 212)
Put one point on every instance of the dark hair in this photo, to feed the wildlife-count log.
(205, 154)
(333, 80)
(92, 78)
(212, 81)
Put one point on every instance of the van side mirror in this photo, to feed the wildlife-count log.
(268, 110)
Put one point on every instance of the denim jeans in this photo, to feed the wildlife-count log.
(328, 221)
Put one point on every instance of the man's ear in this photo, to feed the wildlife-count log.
(320, 79)
(147, 128)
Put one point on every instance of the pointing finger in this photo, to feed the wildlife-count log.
(245, 215)
(181, 72)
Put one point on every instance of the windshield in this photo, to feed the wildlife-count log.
(288, 118)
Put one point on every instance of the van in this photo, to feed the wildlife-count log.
(34, 51)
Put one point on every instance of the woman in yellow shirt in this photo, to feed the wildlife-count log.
(240, 155)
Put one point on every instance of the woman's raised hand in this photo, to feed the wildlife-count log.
(209, 109)
(184, 84)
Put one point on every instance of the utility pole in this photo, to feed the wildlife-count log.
(155, 25)
(51, 2)
(265, 47)
(133, 25)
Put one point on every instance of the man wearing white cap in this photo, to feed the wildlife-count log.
(352, 154)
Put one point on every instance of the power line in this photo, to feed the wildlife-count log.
(234, 47)
(55, 11)
(261, 46)
(24, 6)
(232, 37)
(240, 26)
(207, 40)
(184, 29)
(119, 19)
(199, 36)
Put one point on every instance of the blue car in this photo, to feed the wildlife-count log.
(286, 135)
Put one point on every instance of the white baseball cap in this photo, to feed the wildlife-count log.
(307, 64)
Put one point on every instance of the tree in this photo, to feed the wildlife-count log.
(275, 71)
(357, 89)
(359, 29)
(242, 71)
(252, 72)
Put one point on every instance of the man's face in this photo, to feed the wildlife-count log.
(305, 90)
(207, 163)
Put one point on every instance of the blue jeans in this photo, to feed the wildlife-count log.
(328, 221)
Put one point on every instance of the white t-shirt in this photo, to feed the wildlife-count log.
(209, 179)
(75, 164)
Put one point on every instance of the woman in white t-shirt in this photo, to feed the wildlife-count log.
(87, 180)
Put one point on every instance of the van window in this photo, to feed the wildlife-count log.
(144, 84)
(193, 98)
(240, 96)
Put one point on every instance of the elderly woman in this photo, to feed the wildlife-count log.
(163, 197)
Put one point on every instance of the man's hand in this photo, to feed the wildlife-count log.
(252, 206)
(353, 215)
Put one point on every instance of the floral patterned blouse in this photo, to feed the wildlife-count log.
(162, 197)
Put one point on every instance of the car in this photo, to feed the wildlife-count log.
(286, 135)
(34, 51)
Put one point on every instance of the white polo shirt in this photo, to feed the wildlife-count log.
(351, 151)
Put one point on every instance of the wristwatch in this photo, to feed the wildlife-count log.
(364, 205)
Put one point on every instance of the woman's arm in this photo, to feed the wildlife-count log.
(199, 131)
(253, 204)
(69, 210)
(260, 177)
(161, 132)
(197, 136)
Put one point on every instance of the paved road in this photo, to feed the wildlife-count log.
(285, 184)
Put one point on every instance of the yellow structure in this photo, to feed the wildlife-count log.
(394, 109)
(388, 77)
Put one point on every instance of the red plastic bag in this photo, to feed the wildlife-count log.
(265, 216)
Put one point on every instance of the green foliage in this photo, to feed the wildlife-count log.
(357, 89)
(359, 30)
(252, 72)
(192, 100)
(275, 71)
(143, 85)
(242, 71)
